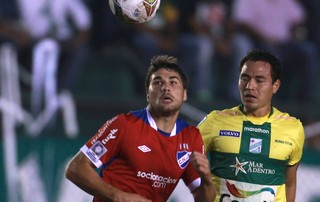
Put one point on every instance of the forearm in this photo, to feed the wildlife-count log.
(291, 182)
(88, 179)
(290, 193)
(206, 192)
(94, 185)
(82, 173)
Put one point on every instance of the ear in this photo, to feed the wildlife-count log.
(185, 96)
(276, 86)
(147, 96)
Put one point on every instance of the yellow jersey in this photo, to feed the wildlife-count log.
(249, 155)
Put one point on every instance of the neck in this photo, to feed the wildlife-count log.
(257, 113)
(164, 123)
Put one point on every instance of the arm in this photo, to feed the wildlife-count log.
(206, 191)
(82, 173)
(291, 182)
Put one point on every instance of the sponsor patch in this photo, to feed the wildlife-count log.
(110, 136)
(229, 133)
(239, 166)
(144, 148)
(96, 151)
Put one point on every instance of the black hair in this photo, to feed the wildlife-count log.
(166, 62)
(263, 55)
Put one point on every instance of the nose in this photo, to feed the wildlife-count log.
(165, 86)
(250, 84)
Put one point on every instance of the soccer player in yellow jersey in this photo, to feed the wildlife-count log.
(254, 149)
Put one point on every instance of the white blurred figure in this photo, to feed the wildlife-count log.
(60, 32)
(69, 23)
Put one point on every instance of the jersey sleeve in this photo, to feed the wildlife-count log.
(105, 144)
(296, 155)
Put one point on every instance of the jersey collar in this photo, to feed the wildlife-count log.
(241, 109)
(154, 125)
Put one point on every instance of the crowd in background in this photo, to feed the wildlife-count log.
(208, 36)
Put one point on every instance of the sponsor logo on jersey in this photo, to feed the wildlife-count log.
(255, 145)
(256, 130)
(158, 180)
(229, 133)
(106, 125)
(144, 148)
(96, 151)
(183, 158)
(110, 136)
(247, 191)
(239, 166)
(284, 142)
(102, 129)
(247, 167)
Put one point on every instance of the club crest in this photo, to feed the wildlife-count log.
(255, 145)
(183, 158)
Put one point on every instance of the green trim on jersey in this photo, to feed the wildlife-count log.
(256, 138)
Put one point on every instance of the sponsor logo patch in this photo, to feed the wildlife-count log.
(158, 181)
(229, 133)
(110, 136)
(144, 148)
(96, 151)
(239, 166)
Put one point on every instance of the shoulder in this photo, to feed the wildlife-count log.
(122, 118)
(285, 120)
(283, 116)
(185, 126)
(230, 112)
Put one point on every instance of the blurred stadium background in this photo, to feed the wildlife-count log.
(36, 143)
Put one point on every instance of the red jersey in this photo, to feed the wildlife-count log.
(134, 156)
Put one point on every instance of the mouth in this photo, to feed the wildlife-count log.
(167, 98)
(249, 96)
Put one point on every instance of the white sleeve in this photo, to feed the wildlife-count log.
(194, 184)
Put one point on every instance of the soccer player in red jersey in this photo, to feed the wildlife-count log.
(143, 154)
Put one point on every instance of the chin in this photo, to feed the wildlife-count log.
(250, 104)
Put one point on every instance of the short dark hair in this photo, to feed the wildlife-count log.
(263, 55)
(166, 62)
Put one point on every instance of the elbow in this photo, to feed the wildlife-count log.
(70, 171)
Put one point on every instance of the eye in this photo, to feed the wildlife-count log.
(174, 82)
(244, 78)
(261, 79)
(156, 82)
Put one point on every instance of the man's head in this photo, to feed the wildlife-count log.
(259, 80)
(262, 55)
(166, 85)
(167, 62)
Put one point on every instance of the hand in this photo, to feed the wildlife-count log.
(201, 163)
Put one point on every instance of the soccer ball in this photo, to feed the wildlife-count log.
(134, 11)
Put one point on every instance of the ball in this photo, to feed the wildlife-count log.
(134, 11)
